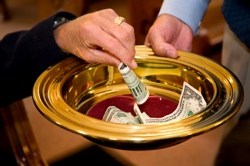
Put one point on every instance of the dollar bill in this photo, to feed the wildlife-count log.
(114, 114)
(137, 88)
(191, 101)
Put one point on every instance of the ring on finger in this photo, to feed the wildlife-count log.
(119, 20)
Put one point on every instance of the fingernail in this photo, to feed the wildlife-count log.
(170, 53)
(134, 64)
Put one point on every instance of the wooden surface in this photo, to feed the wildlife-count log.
(143, 15)
(4, 10)
(49, 7)
(16, 130)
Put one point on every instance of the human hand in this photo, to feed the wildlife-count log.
(95, 37)
(168, 34)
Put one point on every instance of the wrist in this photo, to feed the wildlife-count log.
(60, 21)
(192, 14)
(60, 32)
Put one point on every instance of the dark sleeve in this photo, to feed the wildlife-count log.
(24, 55)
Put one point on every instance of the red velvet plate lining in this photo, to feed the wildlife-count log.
(155, 106)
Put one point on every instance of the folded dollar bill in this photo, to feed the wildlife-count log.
(137, 88)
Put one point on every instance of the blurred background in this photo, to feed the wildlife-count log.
(60, 147)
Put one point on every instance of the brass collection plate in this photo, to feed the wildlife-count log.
(66, 91)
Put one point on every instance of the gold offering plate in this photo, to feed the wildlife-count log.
(66, 91)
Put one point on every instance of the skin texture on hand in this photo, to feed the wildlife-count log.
(95, 38)
(169, 34)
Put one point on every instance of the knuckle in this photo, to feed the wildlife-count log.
(113, 44)
(110, 11)
(124, 36)
(131, 30)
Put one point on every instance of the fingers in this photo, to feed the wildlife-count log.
(119, 39)
(100, 56)
(168, 34)
(107, 53)
(166, 49)
(161, 47)
(96, 38)
(121, 42)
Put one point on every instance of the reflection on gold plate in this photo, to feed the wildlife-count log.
(66, 91)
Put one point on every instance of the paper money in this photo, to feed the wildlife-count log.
(191, 101)
(114, 114)
(137, 88)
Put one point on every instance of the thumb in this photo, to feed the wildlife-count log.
(165, 49)
(159, 44)
(146, 42)
(161, 47)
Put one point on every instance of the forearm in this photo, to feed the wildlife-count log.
(189, 11)
(24, 56)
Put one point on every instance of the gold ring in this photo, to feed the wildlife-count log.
(119, 20)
